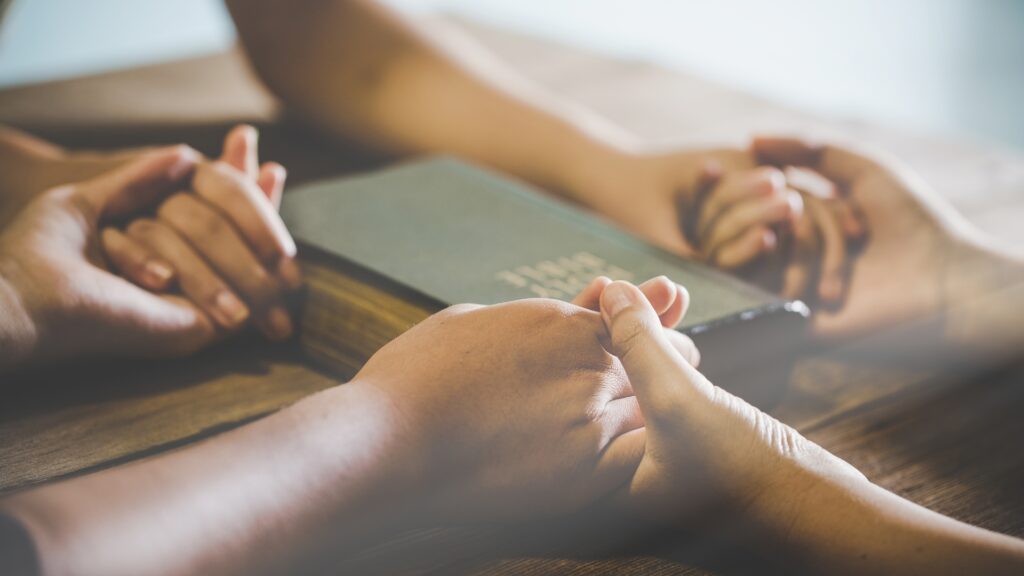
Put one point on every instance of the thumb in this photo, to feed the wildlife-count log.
(661, 378)
(138, 184)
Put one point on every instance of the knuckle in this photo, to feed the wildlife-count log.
(259, 276)
(123, 253)
(543, 314)
(218, 179)
(209, 290)
(458, 309)
(207, 179)
(712, 206)
(142, 227)
(174, 207)
(223, 169)
(75, 199)
(549, 310)
(188, 215)
(261, 287)
(111, 240)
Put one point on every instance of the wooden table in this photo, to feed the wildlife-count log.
(951, 443)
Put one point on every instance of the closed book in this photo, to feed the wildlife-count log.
(382, 251)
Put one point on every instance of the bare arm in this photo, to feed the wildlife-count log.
(395, 445)
(391, 449)
(252, 501)
(23, 163)
(30, 165)
(850, 526)
(358, 68)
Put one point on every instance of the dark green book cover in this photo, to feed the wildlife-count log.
(458, 233)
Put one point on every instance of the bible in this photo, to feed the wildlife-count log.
(382, 251)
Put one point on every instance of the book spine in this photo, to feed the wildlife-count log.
(345, 319)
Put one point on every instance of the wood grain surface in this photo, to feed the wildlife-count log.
(952, 442)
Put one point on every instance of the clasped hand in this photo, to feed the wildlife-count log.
(158, 257)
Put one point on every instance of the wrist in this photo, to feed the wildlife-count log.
(593, 171)
(796, 520)
(983, 282)
(428, 469)
(390, 459)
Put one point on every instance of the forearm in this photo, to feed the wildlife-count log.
(256, 500)
(30, 165)
(363, 71)
(24, 163)
(846, 525)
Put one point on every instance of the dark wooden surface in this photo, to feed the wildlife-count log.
(950, 442)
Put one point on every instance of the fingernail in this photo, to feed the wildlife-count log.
(187, 158)
(158, 273)
(279, 323)
(683, 294)
(796, 205)
(810, 182)
(617, 297)
(288, 246)
(233, 310)
(290, 273)
(657, 280)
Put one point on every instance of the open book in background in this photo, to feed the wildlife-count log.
(383, 251)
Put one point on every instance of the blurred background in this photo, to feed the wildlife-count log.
(952, 67)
